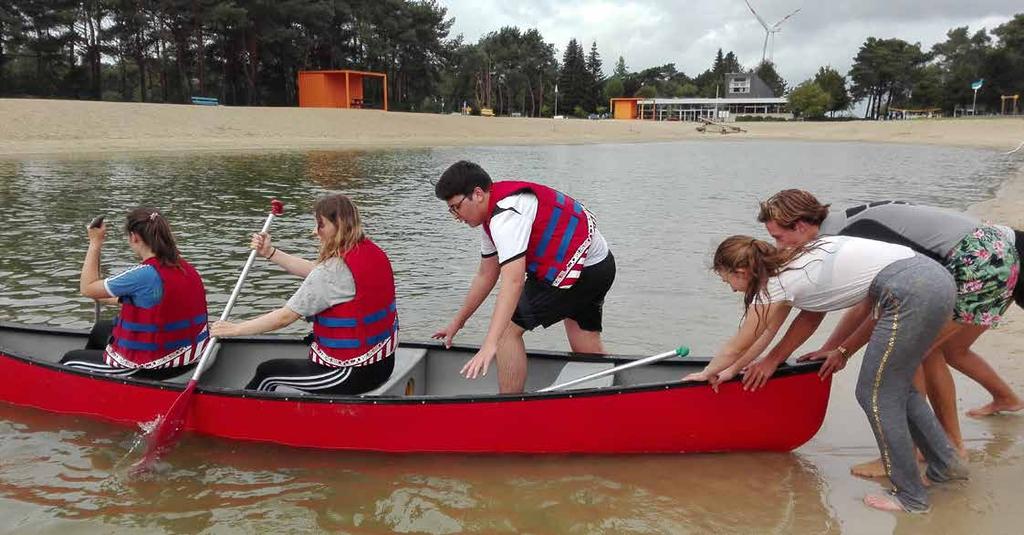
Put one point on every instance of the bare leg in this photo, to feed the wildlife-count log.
(581, 341)
(511, 360)
(960, 357)
(942, 396)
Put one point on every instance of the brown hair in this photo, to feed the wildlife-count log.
(790, 206)
(339, 210)
(151, 227)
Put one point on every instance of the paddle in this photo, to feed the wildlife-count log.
(169, 426)
(681, 351)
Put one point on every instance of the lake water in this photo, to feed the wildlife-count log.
(662, 207)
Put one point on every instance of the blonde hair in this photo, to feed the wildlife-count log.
(790, 206)
(339, 210)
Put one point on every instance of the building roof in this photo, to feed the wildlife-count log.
(723, 101)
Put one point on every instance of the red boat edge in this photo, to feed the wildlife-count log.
(648, 417)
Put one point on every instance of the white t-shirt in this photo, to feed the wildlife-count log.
(511, 226)
(835, 273)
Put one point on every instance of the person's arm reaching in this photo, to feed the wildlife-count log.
(271, 321)
(483, 282)
(803, 326)
(513, 278)
(757, 320)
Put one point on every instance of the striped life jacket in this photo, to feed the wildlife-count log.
(364, 330)
(560, 235)
(172, 333)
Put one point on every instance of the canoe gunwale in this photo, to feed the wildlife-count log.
(782, 371)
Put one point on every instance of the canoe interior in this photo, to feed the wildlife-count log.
(421, 369)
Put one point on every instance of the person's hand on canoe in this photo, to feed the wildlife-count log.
(477, 366)
(756, 375)
(703, 375)
(834, 361)
(448, 333)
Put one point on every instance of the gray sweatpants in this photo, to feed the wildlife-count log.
(913, 299)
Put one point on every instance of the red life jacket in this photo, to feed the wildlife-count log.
(560, 235)
(172, 333)
(364, 330)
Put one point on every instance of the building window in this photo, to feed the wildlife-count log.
(739, 85)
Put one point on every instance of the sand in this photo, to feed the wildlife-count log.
(986, 504)
(53, 127)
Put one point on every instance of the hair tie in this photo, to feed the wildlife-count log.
(153, 216)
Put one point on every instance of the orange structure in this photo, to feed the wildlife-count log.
(337, 89)
(624, 108)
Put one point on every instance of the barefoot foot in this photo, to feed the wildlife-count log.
(996, 407)
(869, 469)
(883, 503)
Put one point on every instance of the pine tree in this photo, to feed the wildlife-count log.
(595, 80)
(573, 79)
(621, 72)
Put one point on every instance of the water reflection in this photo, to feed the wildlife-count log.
(66, 465)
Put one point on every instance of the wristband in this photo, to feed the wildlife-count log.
(843, 352)
(272, 254)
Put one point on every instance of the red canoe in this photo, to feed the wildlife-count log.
(427, 407)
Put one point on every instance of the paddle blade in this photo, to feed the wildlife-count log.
(276, 207)
(167, 429)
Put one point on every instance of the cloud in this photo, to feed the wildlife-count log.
(654, 32)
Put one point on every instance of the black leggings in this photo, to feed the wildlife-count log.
(91, 358)
(312, 378)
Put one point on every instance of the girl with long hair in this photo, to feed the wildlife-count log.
(348, 293)
(907, 295)
(161, 330)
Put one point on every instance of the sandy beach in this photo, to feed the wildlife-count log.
(29, 126)
(988, 503)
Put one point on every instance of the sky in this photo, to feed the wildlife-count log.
(647, 33)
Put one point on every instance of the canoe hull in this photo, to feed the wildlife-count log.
(666, 418)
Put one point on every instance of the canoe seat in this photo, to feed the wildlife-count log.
(575, 370)
(407, 360)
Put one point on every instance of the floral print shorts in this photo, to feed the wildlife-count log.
(985, 267)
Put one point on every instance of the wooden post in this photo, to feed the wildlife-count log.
(385, 92)
(348, 98)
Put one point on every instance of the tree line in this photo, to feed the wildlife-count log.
(249, 52)
(892, 73)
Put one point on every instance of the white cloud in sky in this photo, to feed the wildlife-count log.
(648, 33)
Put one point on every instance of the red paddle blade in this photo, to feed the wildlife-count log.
(167, 429)
(276, 207)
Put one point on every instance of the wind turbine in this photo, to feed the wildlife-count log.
(769, 31)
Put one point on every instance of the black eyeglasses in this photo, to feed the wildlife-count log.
(454, 208)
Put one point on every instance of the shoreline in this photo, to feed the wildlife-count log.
(34, 127)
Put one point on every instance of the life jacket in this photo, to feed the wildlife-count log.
(364, 330)
(173, 333)
(560, 235)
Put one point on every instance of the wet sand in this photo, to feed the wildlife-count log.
(809, 491)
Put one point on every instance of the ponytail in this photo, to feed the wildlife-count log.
(759, 258)
(151, 227)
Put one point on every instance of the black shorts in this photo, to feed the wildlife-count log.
(541, 304)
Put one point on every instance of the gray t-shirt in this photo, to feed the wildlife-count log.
(329, 284)
(931, 231)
